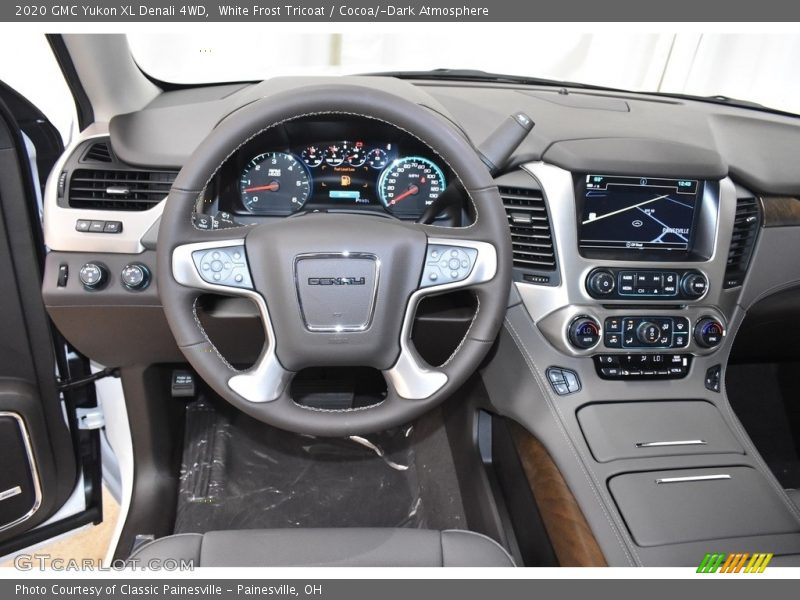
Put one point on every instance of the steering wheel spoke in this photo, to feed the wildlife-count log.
(221, 266)
(451, 263)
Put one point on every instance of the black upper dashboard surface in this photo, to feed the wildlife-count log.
(579, 130)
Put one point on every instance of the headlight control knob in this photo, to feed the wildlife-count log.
(93, 275)
(584, 332)
(135, 276)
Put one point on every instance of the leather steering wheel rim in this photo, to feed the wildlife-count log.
(413, 386)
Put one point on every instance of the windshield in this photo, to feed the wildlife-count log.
(753, 67)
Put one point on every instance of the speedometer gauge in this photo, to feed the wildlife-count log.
(274, 183)
(410, 184)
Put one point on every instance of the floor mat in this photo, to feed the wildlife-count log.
(762, 397)
(239, 473)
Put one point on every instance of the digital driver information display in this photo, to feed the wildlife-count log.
(638, 212)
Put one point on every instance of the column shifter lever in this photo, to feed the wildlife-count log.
(494, 152)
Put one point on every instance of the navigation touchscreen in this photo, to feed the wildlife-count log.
(638, 212)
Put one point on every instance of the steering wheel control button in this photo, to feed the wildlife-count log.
(601, 282)
(563, 381)
(135, 277)
(708, 332)
(584, 333)
(93, 276)
(223, 266)
(447, 264)
(642, 366)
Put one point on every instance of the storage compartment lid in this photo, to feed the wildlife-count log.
(647, 429)
(685, 505)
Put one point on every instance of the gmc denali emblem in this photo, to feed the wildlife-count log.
(337, 281)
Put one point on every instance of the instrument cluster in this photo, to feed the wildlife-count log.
(399, 176)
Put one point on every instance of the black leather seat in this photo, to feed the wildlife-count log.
(329, 548)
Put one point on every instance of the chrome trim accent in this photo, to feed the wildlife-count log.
(323, 255)
(552, 308)
(10, 493)
(410, 376)
(267, 380)
(37, 486)
(670, 443)
(694, 478)
(59, 221)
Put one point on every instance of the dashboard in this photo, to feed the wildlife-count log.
(321, 165)
(643, 232)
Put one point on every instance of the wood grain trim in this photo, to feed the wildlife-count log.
(781, 211)
(572, 538)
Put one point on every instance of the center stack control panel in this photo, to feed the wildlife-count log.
(639, 343)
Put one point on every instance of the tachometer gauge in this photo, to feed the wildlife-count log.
(334, 155)
(377, 158)
(354, 154)
(312, 156)
(274, 183)
(410, 184)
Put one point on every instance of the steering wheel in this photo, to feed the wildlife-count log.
(334, 289)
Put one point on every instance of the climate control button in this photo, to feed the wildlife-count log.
(648, 333)
(584, 333)
(708, 332)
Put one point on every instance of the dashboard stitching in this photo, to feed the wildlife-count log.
(351, 114)
(575, 451)
(210, 343)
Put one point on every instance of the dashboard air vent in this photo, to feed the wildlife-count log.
(99, 152)
(531, 236)
(118, 190)
(745, 231)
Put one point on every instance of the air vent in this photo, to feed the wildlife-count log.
(118, 190)
(745, 230)
(99, 152)
(531, 237)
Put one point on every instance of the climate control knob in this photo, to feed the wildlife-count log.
(648, 333)
(708, 332)
(93, 276)
(694, 285)
(584, 333)
(601, 282)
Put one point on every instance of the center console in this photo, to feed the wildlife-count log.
(619, 367)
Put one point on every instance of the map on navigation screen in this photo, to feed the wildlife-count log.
(638, 212)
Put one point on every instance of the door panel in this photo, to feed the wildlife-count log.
(36, 447)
